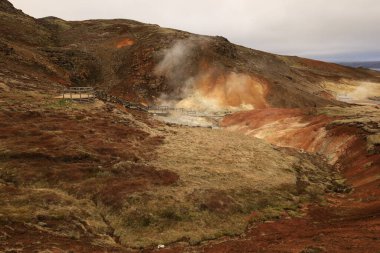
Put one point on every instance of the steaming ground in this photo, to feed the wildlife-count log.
(200, 84)
(210, 91)
(209, 87)
(187, 120)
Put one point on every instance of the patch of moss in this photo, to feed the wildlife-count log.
(59, 104)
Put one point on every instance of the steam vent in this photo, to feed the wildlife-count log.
(121, 136)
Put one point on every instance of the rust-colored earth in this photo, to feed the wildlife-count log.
(347, 222)
(102, 178)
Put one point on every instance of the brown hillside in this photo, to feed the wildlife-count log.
(121, 57)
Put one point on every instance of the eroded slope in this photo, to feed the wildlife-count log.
(348, 139)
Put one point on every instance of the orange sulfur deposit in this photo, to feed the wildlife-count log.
(215, 88)
(233, 89)
(125, 43)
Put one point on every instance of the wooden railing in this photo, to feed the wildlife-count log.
(113, 99)
(82, 94)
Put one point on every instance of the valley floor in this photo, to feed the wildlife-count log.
(99, 178)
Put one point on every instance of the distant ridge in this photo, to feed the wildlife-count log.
(365, 64)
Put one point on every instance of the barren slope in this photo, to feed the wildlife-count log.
(142, 62)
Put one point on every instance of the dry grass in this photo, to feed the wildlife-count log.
(373, 141)
(224, 178)
(53, 212)
(364, 117)
(353, 111)
(216, 158)
(60, 160)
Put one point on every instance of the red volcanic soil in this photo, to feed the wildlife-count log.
(347, 222)
(257, 118)
(339, 229)
(294, 128)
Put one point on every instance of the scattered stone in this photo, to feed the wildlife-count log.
(312, 249)
(42, 224)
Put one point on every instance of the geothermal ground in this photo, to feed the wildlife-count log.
(98, 177)
(258, 152)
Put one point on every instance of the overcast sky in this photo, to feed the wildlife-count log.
(331, 30)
